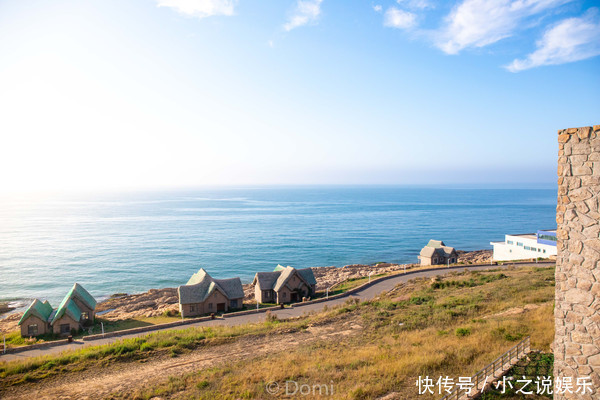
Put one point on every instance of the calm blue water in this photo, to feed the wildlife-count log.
(131, 243)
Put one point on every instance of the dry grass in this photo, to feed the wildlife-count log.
(449, 327)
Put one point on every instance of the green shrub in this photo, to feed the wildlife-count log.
(146, 347)
(462, 332)
(420, 299)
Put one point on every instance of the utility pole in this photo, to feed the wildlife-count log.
(102, 325)
(4, 348)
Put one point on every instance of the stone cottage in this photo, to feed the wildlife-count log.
(436, 252)
(203, 294)
(284, 285)
(75, 311)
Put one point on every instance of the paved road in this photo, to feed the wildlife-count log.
(298, 310)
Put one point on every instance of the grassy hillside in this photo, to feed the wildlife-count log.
(444, 327)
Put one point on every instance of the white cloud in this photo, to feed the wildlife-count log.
(478, 23)
(377, 8)
(572, 39)
(396, 18)
(416, 4)
(200, 8)
(306, 11)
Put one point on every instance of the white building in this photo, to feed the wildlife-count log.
(526, 246)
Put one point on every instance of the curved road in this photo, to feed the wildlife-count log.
(295, 311)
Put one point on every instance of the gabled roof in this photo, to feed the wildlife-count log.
(308, 275)
(232, 287)
(436, 247)
(279, 267)
(69, 307)
(276, 279)
(266, 280)
(427, 251)
(201, 285)
(448, 250)
(436, 244)
(39, 309)
(196, 293)
(284, 276)
(198, 277)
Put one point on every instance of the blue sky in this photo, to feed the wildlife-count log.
(108, 94)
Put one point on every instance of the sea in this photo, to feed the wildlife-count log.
(132, 242)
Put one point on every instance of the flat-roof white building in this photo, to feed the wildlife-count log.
(526, 246)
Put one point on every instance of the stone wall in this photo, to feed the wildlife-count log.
(577, 310)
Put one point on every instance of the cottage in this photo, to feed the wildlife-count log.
(284, 285)
(436, 252)
(34, 321)
(76, 310)
(203, 294)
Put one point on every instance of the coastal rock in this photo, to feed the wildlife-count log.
(158, 302)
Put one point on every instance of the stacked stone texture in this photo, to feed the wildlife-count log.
(577, 309)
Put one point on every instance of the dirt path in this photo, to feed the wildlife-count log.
(127, 377)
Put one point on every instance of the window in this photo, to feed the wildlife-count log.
(85, 316)
(547, 237)
(192, 308)
(519, 244)
(210, 306)
(544, 250)
(510, 242)
(32, 330)
(527, 248)
(65, 328)
(539, 250)
(233, 304)
(284, 295)
(533, 249)
(266, 294)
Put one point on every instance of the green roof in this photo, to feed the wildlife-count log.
(436, 244)
(279, 268)
(197, 277)
(68, 305)
(39, 309)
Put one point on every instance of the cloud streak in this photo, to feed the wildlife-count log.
(306, 11)
(478, 23)
(572, 39)
(200, 8)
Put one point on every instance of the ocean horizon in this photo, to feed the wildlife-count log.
(133, 242)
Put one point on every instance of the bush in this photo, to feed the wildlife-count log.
(146, 347)
(270, 317)
(202, 384)
(463, 332)
(420, 299)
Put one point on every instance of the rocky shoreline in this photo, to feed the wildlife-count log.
(157, 302)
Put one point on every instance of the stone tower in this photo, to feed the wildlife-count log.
(577, 309)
